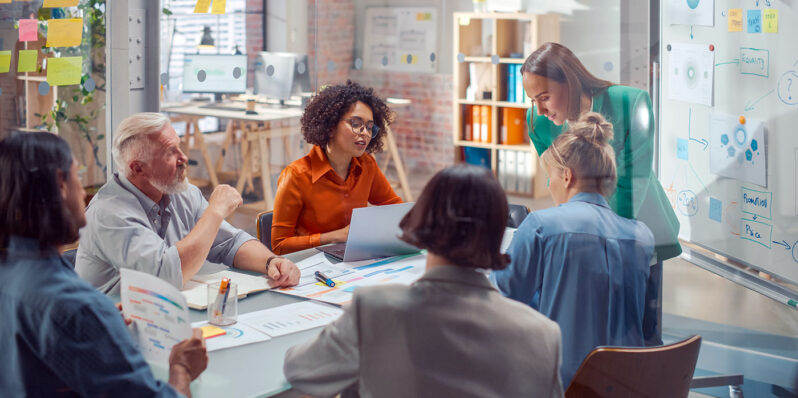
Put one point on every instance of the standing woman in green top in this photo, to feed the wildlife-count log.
(562, 89)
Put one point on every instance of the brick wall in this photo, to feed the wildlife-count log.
(331, 40)
(8, 83)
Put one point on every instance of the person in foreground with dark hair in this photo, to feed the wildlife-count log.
(315, 196)
(588, 264)
(60, 336)
(450, 334)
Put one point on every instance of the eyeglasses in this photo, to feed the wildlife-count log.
(358, 125)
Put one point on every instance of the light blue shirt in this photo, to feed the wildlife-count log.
(62, 338)
(590, 267)
(127, 229)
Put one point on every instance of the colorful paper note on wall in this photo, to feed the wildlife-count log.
(64, 32)
(27, 59)
(771, 19)
(5, 61)
(754, 21)
(60, 3)
(5, 1)
(28, 30)
(64, 71)
(202, 6)
(681, 148)
(219, 7)
(735, 20)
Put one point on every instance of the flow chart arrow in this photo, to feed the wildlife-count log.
(689, 131)
(691, 32)
(783, 243)
(734, 61)
(751, 104)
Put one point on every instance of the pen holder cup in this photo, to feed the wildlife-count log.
(222, 311)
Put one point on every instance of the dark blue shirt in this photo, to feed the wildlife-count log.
(60, 336)
(589, 266)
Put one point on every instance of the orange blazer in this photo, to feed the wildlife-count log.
(312, 199)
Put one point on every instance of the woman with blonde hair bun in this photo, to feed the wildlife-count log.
(586, 266)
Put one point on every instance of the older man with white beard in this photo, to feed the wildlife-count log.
(150, 219)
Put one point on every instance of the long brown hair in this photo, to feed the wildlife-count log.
(556, 62)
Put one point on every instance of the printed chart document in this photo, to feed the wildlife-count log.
(237, 334)
(159, 313)
(690, 73)
(196, 290)
(291, 318)
(404, 270)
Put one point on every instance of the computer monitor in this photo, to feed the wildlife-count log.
(280, 75)
(215, 74)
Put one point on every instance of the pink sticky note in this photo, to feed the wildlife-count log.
(28, 30)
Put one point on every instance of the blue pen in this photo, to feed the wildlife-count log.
(324, 279)
(226, 292)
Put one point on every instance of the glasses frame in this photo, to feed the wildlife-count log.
(374, 129)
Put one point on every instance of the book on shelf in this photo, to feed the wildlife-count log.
(476, 122)
(512, 128)
(511, 82)
(485, 124)
(467, 123)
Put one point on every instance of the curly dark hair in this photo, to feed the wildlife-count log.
(326, 109)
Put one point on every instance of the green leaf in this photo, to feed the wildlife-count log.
(101, 136)
(166, 11)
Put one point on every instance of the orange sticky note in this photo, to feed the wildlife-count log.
(64, 32)
(219, 7)
(202, 6)
(5, 1)
(5, 61)
(26, 60)
(28, 30)
(735, 17)
(209, 331)
(60, 3)
(64, 71)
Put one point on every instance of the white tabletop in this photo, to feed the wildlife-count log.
(265, 113)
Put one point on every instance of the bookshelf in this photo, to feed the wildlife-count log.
(488, 48)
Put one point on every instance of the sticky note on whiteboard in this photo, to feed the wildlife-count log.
(715, 209)
(27, 59)
(681, 148)
(771, 21)
(754, 21)
(64, 71)
(60, 3)
(735, 17)
(64, 32)
(28, 30)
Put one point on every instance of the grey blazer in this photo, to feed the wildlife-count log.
(450, 334)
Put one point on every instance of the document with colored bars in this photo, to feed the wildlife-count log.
(349, 276)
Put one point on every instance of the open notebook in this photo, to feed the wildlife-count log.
(196, 290)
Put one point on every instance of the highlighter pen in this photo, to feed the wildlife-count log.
(226, 293)
(216, 305)
(324, 279)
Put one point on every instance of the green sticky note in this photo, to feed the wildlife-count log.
(771, 20)
(26, 62)
(64, 71)
(5, 61)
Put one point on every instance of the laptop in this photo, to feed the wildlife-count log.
(365, 241)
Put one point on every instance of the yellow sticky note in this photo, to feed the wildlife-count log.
(26, 60)
(202, 6)
(771, 18)
(5, 1)
(60, 3)
(64, 71)
(735, 20)
(219, 7)
(64, 32)
(209, 331)
(5, 61)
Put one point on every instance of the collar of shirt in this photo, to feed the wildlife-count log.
(24, 247)
(150, 207)
(456, 274)
(320, 165)
(590, 197)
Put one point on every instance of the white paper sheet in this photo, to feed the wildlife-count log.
(691, 12)
(238, 334)
(690, 72)
(738, 150)
(196, 290)
(291, 318)
(159, 313)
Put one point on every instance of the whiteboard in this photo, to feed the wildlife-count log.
(732, 184)
(400, 39)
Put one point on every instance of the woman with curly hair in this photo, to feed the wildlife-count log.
(345, 124)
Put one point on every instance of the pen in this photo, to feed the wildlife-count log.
(226, 292)
(324, 279)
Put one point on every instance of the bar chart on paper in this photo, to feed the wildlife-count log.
(291, 318)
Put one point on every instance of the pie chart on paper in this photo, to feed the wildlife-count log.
(693, 4)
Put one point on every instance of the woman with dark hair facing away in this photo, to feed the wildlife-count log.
(315, 196)
(60, 336)
(449, 334)
(589, 265)
(563, 91)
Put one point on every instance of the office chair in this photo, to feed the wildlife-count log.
(664, 371)
(70, 255)
(264, 226)
(517, 214)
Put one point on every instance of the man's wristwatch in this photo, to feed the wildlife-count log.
(269, 261)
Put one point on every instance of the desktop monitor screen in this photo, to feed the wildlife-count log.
(213, 73)
(281, 75)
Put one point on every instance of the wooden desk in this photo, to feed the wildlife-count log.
(255, 130)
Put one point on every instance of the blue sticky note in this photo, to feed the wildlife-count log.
(681, 148)
(754, 21)
(715, 209)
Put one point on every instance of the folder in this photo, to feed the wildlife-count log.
(513, 123)
(485, 122)
(476, 123)
(467, 121)
(512, 178)
(521, 172)
(519, 85)
(511, 82)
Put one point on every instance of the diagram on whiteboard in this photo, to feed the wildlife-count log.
(690, 73)
(400, 38)
(692, 12)
(737, 150)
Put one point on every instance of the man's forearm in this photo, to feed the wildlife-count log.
(251, 256)
(180, 379)
(194, 248)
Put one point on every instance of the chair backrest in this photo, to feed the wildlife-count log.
(70, 255)
(664, 371)
(516, 215)
(264, 226)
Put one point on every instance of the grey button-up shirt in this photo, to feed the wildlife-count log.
(125, 228)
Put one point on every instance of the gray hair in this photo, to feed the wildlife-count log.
(130, 140)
